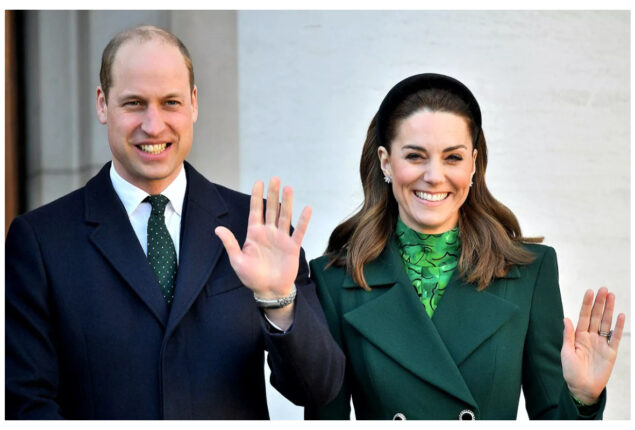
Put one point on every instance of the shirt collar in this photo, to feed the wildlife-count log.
(132, 196)
(176, 191)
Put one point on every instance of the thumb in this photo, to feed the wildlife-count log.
(231, 245)
(568, 336)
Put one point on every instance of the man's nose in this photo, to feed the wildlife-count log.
(153, 123)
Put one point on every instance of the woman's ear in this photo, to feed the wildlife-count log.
(474, 154)
(384, 161)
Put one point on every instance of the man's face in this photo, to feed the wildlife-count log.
(150, 113)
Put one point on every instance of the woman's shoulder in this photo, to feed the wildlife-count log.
(325, 273)
(545, 260)
(325, 266)
(540, 251)
(320, 262)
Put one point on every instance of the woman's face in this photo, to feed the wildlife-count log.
(431, 164)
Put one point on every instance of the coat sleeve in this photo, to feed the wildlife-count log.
(307, 366)
(340, 407)
(31, 361)
(546, 392)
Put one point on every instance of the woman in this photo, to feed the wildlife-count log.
(443, 308)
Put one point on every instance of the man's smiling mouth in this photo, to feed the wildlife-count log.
(154, 149)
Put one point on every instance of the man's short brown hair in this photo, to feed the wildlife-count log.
(141, 33)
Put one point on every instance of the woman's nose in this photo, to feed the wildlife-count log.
(433, 173)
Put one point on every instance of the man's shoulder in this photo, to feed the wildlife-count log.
(208, 193)
(62, 208)
(69, 208)
(231, 195)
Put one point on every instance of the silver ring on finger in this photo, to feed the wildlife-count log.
(606, 334)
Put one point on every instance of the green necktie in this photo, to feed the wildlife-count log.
(161, 252)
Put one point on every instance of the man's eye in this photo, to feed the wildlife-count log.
(172, 103)
(132, 103)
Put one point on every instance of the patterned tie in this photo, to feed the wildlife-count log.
(161, 252)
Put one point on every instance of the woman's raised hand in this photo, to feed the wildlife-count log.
(589, 353)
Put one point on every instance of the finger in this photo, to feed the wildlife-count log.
(598, 310)
(286, 210)
(607, 316)
(617, 333)
(303, 223)
(272, 201)
(255, 205)
(231, 245)
(568, 336)
(585, 312)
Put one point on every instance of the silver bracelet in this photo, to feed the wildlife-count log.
(276, 303)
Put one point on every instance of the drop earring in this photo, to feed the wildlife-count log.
(387, 179)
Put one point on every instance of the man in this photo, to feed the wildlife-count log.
(121, 302)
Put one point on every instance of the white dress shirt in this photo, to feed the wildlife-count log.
(139, 211)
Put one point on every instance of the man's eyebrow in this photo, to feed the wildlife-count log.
(173, 96)
(129, 96)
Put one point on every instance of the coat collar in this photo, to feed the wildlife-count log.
(203, 210)
(384, 271)
(397, 323)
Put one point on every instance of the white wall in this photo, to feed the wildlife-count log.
(555, 94)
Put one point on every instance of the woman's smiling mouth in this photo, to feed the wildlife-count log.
(431, 197)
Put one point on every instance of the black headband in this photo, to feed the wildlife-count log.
(424, 81)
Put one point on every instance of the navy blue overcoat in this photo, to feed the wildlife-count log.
(89, 335)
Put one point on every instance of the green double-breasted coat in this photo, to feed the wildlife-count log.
(472, 357)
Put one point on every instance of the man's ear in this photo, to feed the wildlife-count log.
(194, 104)
(102, 107)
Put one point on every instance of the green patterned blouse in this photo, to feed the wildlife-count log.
(430, 261)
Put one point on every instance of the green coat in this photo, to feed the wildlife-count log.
(475, 354)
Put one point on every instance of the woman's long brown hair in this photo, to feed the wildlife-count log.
(490, 233)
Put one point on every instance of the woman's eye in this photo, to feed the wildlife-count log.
(413, 156)
(455, 157)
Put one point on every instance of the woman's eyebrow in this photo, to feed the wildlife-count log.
(415, 147)
(422, 149)
(454, 148)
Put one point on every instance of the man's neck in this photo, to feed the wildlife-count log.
(150, 186)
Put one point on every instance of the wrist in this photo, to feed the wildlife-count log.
(583, 398)
(276, 302)
(282, 318)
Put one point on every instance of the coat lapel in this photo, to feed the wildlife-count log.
(433, 349)
(203, 211)
(396, 323)
(465, 317)
(116, 240)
